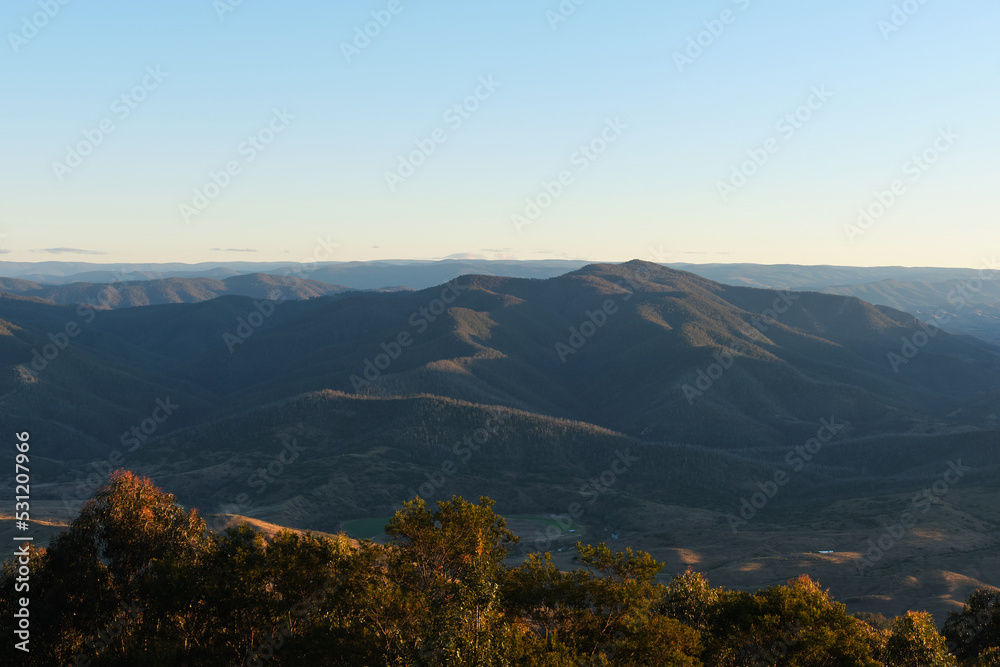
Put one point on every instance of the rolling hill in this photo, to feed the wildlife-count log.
(628, 347)
(128, 294)
(663, 397)
(970, 305)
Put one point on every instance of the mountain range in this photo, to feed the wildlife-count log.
(957, 300)
(654, 400)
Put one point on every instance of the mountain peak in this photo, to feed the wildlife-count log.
(636, 271)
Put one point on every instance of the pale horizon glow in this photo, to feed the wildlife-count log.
(187, 92)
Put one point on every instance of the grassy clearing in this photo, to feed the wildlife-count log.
(365, 529)
(549, 521)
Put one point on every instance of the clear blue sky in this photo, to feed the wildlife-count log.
(558, 84)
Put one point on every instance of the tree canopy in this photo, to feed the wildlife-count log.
(138, 580)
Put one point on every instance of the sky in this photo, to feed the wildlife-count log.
(861, 132)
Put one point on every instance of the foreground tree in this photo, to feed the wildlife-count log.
(690, 599)
(87, 586)
(795, 625)
(915, 642)
(976, 629)
(606, 612)
(450, 561)
(988, 658)
(137, 580)
(243, 599)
